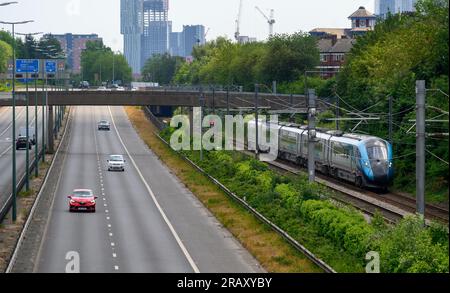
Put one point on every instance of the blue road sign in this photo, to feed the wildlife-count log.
(27, 66)
(50, 66)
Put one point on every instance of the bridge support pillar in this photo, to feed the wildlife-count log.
(50, 129)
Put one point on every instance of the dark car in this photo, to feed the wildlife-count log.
(21, 143)
(84, 85)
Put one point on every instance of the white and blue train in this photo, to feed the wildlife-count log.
(364, 160)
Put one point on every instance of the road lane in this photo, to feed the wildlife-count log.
(6, 150)
(128, 233)
(212, 247)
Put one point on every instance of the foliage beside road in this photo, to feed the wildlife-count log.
(338, 235)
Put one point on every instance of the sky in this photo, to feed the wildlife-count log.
(103, 16)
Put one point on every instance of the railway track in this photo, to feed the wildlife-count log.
(393, 206)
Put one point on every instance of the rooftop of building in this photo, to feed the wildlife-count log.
(340, 46)
(362, 12)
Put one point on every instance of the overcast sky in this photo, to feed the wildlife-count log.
(103, 16)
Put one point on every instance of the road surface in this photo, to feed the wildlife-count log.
(146, 220)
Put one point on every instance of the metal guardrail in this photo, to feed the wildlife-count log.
(320, 263)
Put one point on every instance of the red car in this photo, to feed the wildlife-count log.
(82, 200)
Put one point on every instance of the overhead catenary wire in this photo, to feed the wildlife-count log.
(437, 157)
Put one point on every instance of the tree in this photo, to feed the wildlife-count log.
(288, 56)
(7, 38)
(5, 55)
(97, 63)
(161, 68)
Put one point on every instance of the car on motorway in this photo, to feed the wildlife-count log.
(134, 89)
(104, 125)
(116, 163)
(102, 89)
(84, 85)
(31, 134)
(21, 143)
(82, 200)
(120, 89)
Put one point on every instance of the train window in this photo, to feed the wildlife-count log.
(338, 150)
(377, 153)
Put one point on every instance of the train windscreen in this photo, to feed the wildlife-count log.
(377, 153)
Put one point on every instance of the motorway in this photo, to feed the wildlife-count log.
(146, 220)
(6, 147)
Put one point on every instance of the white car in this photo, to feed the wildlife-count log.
(116, 163)
(120, 89)
(102, 89)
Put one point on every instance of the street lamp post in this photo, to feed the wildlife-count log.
(8, 3)
(36, 138)
(14, 179)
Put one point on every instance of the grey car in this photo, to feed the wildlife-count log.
(104, 125)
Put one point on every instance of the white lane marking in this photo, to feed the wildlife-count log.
(10, 147)
(110, 234)
(10, 123)
(108, 218)
(116, 268)
(114, 255)
(113, 244)
(150, 191)
(109, 225)
(107, 211)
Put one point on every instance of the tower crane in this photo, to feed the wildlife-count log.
(237, 34)
(270, 20)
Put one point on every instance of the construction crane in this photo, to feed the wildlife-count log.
(237, 34)
(270, 20)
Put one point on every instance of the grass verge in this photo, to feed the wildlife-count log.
(270, 249)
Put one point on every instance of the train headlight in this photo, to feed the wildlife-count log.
(390, 164)
(366, 163)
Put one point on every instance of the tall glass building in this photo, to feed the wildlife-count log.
(384, 7)
(131, 28)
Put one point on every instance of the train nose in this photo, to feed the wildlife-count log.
(380, 170)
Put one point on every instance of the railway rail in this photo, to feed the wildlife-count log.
(393, 206)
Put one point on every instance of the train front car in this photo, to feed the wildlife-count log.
(376, 163)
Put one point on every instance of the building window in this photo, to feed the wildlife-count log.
(323, 58)
(338, 57)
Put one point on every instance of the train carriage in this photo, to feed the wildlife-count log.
(363, 160)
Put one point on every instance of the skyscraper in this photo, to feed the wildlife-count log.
(384, 7)
(147, 31)
(156, 29)
(131, 29)
(194, 35)
(405, 6)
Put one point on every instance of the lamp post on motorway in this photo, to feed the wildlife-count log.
(36, 153)
(47, 54)
(14, 185)
(8, 3)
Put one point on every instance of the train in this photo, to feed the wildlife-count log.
(363, 160)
